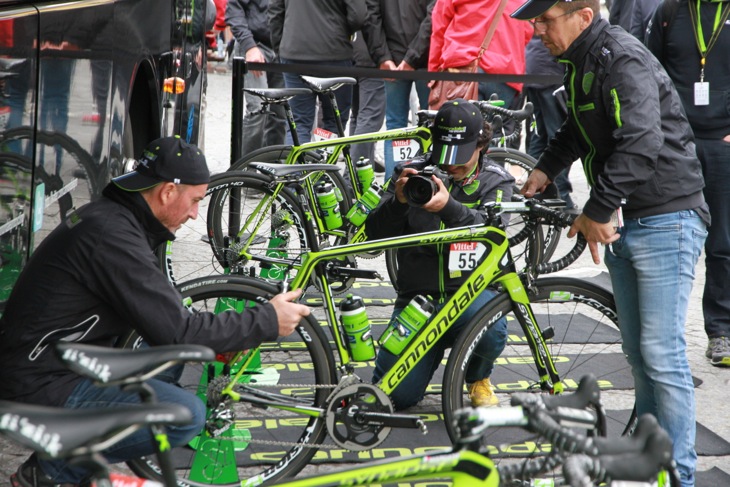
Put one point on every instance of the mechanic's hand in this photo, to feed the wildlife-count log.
(401, 181)
(537, 182)
(289, 314)
(439, 199)
(594, 233)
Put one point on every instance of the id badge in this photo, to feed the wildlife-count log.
(702, 93)
(464, 256)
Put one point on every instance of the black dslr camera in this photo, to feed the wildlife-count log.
(419, 189)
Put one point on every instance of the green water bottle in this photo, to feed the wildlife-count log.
(405, 326)
(365, 173)
(357, 329)
(329, 205)
(367, 203)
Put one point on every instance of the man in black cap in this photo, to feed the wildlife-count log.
(627, 125)
(95, 278)
(459, 135)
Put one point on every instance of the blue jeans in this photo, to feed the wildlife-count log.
(413, 387)
(397, 108)
(140, 443)
(652, 268)
(304, 106)
(715, 158)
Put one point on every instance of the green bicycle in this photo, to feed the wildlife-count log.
(271, 409)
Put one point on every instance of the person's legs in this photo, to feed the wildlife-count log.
(343, 96)
(86, 395)
(303, 107)
(370, 115)
(652, 269)
(715, 158)
(397, 107)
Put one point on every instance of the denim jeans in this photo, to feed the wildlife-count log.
(140, 443)
(715, 158)
(304, 107)
(397, 108)
(413, 387)
(267, 128)
(652, 268)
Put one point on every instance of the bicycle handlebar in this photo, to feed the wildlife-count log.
(656, 455)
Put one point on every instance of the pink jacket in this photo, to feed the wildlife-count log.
(459, 27)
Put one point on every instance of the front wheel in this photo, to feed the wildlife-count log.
(586, 340)
(242, 441)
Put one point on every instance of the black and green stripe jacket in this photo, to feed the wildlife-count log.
(424, 270)
(627, 125)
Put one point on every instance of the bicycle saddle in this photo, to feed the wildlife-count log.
(275, 170)
(57, 432)
(277, 95)
(123, 366)
(324, 85)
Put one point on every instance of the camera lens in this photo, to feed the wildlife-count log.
(419, 190)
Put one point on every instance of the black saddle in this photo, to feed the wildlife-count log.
(325, 85)
(58, 433)
(124, 366)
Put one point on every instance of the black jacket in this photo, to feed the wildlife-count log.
(675, 47)
(315, 30)
(249, 22)
(626, 122)
(405, 31)
(93, 279)
(424, 270)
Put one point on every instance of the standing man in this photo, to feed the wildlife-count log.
(249, 23)
(626, 124)
(95, 278)
(316, 32)
(404, 29)
(692, 40)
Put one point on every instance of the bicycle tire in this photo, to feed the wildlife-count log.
(305, 356)
(201, 246)
(585, 321)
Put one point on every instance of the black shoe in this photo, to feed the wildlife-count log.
(29, 474)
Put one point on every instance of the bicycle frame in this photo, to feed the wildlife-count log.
(497, 267)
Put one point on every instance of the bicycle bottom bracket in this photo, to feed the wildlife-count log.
(347, 421)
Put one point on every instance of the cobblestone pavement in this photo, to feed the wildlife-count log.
(711, 395)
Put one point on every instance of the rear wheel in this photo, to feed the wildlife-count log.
(243, 441)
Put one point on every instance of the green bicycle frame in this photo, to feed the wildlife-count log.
(497, 267)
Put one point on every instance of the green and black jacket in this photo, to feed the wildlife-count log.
(424, 269)
(627, 125)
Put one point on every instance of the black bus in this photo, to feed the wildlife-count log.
(84, 85)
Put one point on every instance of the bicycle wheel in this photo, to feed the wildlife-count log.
(267, 225)
(586, 339)
(243, 441)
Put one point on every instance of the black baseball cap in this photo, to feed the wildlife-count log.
(168, 159)
(455, 132)
(534, 8)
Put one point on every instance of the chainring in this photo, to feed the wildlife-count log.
(343, 420)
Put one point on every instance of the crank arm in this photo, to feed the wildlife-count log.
(393, 420)
(348, 272)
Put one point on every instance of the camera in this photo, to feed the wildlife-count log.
(419, 189)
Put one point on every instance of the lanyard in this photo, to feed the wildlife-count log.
(720, 17)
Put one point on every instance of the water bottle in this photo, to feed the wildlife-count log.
(357, 328)
(405, 326)
(329, 205)
(365, 173)
(367, 202)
